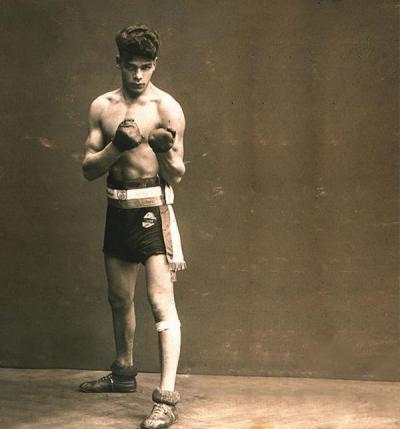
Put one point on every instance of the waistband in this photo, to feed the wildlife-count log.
(134, 183)
(135, 198)
(134, 194)
(138, 193)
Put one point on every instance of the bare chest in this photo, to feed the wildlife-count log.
(145, 115)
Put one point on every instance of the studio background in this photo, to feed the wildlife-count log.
(288, 211)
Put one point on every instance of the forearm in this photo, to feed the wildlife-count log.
(96, 164)
(171, 167)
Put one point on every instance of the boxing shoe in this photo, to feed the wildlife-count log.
(164, 413)
(120, 380)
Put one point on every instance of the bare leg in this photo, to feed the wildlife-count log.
(121, 276)
(160, 292)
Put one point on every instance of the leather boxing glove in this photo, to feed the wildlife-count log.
(162, 139)
(127, 135)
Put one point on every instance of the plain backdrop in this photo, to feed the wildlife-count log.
(288, 211)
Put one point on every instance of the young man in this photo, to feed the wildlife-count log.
(136, 136)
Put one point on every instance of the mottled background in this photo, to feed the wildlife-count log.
(288, 211)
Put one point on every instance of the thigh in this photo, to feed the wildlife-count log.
(158, 275)
(121, 276)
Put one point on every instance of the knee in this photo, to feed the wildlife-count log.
(120, 301)
(160, 300)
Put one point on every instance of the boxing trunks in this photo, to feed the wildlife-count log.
(140, 222)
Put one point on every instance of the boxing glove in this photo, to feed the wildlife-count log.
(161, 140)
(127, 135)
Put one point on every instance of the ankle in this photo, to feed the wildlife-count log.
(168, 397)
(167, 386)
(123, 362)
(123, 371)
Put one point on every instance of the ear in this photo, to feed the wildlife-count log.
(155, 62)
(118, 61)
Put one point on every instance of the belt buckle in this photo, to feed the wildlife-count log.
(122, 194)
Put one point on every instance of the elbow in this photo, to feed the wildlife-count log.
(87, 173)
(174, 180)
(174, 174)
(179, 171)
(88, 177)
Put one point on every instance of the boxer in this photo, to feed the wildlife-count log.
(136, 138)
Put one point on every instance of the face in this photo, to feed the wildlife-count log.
(136, 73)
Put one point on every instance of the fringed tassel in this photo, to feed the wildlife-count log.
(176, 266)
(172, 241)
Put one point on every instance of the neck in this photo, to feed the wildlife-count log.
(130, 96)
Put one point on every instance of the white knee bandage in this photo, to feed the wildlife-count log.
(168, 324)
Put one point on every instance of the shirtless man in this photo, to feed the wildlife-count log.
(136, 136)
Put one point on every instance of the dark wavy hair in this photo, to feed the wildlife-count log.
(137, 41)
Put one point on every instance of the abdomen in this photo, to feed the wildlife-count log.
(140, 162)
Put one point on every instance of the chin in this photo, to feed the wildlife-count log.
(135, 91)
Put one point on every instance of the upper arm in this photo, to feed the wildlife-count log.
(172, 116)
(95, 140)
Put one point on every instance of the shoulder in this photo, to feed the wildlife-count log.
(167, 105)
(170, 112)
(102, 102)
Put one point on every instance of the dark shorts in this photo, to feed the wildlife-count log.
(133, 234)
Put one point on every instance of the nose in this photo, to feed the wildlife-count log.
(137, 75)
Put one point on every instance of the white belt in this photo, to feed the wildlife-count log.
(134, 194)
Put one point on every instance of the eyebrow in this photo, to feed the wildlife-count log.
(139, 65)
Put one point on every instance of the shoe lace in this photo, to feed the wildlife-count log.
(159, 410)
(108, 377)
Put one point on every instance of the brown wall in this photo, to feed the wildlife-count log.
(288, 211)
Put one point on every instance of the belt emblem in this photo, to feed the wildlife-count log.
(122, 194)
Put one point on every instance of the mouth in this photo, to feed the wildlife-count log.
(137, 85)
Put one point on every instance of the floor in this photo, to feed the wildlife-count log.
(43, 399)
